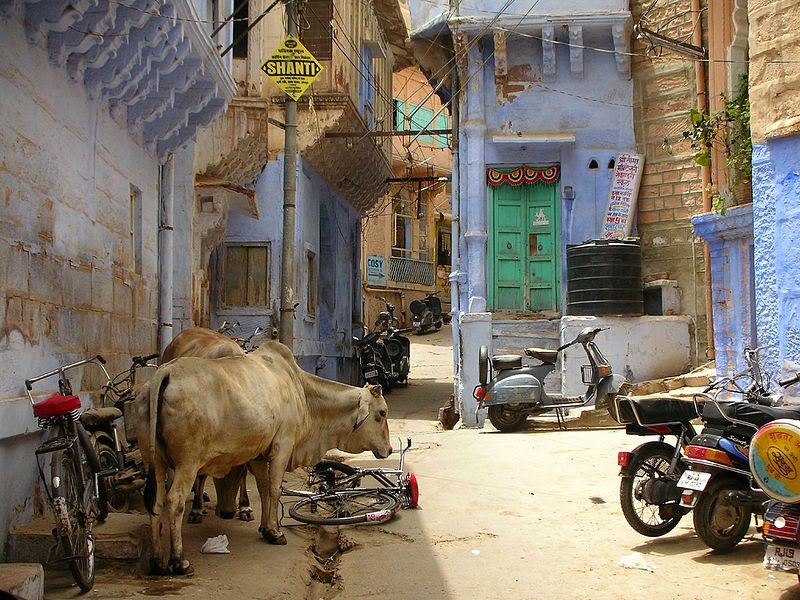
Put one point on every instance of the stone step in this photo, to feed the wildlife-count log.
(121, 537)
(25, 580)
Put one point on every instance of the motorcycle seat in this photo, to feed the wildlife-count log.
(94, 418)
(503, 362)
(545, 355)
(656, 411)
(755, 414)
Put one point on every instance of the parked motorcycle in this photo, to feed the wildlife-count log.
(427, 313)
(121, 462)
(774, 460)
(718, 484)
(385, 354)
(513, 391)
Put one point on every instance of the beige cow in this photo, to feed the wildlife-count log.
(209, 415)
(207, 343)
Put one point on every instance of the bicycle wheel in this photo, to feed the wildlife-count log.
(74, 520)
(346, 507)
(117, 499)
(91, 464)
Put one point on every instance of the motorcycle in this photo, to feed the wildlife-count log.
(718, 485)
(513, 391)
(427, 313)
(121, 464)
(373, 360)
(773, 461)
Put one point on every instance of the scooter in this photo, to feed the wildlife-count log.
(512, 391)
(427, 313)
(718, 485)
(774, 460)
(373, 360)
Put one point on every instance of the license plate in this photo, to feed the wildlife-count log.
(782, 558)
(370, 374)
(694, 480)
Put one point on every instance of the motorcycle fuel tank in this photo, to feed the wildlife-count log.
(514, 389)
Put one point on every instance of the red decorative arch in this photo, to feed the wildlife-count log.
(522, 175)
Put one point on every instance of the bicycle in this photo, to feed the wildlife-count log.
(73, 490)
(336, 496)
(117, 453)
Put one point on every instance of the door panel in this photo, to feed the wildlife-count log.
(524, 247)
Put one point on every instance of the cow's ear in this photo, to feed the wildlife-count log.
(375, 390)
(363, 410)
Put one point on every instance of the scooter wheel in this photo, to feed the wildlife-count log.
(506, 418)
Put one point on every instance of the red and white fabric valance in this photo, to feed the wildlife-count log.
(522, 175)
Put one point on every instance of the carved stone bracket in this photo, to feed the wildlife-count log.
(152, 62)
(548, 52)
(576, 50)
(622, 47)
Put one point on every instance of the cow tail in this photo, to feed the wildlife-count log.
(157, 384)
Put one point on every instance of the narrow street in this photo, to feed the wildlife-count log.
(528, 515)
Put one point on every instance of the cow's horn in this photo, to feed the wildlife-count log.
(360, 421)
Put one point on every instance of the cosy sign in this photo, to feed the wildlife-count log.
(292, 67)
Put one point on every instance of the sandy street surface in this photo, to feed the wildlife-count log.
(532, 515)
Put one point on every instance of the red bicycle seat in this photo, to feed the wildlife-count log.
(56, 405)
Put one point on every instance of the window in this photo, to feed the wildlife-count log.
(442, 122)
(399, 114)
(316, 33)
(366, 87)
(246, 274)
(240, 24)
(421, 119)
(311, 295)
(402, 227)
(443, 254)
(136, 229)
(212, 15)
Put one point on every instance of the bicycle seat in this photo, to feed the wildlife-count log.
(547, 356)
(502, 362)
(56, 405)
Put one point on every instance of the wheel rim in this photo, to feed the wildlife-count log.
(506, 414)
(345, 507)
(654, 467)
(117, 499)
(652, 520)
(80, 543)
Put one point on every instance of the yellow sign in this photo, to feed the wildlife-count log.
(292, 67)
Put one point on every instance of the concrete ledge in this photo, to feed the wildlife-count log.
(119, 538)
(25, 580)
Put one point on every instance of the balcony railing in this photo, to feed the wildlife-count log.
(407, 270)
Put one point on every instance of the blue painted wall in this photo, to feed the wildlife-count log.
(776, 227)
(327, 227)
(596, 109)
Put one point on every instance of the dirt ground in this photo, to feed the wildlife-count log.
(529, 515)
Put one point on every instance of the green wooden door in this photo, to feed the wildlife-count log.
(523, 247)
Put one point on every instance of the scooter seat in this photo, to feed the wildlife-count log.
(656, 411)
(94, 418)
(503, 362)
(545, 355)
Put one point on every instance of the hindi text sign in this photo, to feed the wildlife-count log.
(622, 196)
(292, 67)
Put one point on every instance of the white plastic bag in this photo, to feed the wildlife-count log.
(216, 545)
(634, 560)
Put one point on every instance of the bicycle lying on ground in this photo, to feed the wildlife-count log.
(73, 489)
(336, 496)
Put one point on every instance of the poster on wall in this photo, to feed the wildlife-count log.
(376, 271)
(621, 207)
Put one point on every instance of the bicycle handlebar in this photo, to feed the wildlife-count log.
(142, 360)
(96, 358)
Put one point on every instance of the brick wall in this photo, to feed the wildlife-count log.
(671, 188)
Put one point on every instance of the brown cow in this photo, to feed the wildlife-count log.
(202, 342)
(210, 415)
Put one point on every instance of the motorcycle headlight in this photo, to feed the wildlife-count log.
(393, 350)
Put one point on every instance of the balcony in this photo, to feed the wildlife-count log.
(406, 270)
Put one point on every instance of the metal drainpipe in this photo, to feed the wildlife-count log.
(165, 263)
(289, 202)
(705, 174)
(455, 224)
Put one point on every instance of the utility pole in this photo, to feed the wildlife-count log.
(286, 330)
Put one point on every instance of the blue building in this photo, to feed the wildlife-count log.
(543, 104)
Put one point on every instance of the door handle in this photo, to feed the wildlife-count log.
(533, 246)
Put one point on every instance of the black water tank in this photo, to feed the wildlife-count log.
(604, 277)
